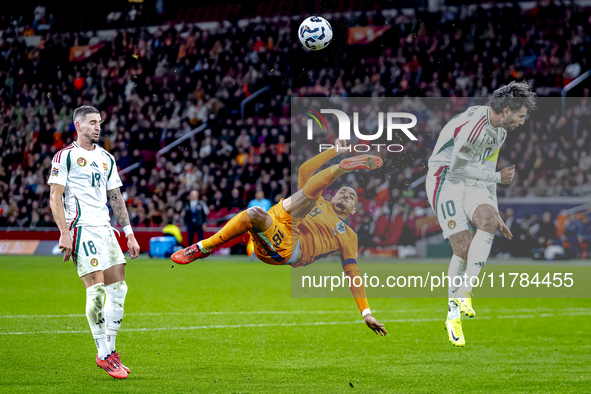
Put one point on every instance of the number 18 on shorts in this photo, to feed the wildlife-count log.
(95, 249)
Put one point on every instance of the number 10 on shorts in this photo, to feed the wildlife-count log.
(451, 209)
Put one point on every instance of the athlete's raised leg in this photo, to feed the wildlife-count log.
(253, 219)
(302, 202)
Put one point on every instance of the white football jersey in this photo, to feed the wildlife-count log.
(87, 176)
(470, 136)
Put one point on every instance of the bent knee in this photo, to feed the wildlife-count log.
(256, 213)
(489, 225)
(260, 219)
(486, 219)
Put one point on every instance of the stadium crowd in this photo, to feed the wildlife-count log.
(154, 86)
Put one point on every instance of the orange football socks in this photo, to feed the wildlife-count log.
(308, 169)
(314, 187)
(237, 226)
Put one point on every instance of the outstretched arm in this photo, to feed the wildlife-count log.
(349, 261)
(311, 166)
(120, 213)
(352, 271)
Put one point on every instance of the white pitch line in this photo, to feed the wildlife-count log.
(196, 313)
(432, 310)
(287, 324)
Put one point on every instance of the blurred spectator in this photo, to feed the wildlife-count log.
(573, 230)
(195, 213)
(260, 201)
(365, 232)
(518, 246)
(547, 230)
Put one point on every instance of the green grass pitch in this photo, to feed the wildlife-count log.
(228, 325)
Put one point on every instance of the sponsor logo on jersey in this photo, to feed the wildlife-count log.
(451, 224)
(464, 149)
(94, 262)
(106, 167)
(54, 171)
(93, 164)
(81, 162)
(341, 228)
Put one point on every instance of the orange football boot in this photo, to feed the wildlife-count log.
(116, 357)
(111, 366)
(187, 255)
(363, 162)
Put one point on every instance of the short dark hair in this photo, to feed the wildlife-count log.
(353, 190)
(515, 95)
(83, 111)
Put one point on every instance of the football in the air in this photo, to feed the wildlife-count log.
(315, 33)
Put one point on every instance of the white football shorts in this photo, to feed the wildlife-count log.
(95, 249)
(454, 203)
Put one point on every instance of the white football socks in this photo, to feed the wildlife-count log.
(453, 311)
(114, 304)
(201, 248)
(96, 320)
(477, 256)
(457, 269)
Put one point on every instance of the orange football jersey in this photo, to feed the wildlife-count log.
(322, 233)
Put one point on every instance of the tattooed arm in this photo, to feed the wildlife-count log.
(118, 206)
(120, 213)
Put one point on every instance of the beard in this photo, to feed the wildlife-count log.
(510, 126)
(92, 138)
(341, 206)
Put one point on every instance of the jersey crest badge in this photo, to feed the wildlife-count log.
(55, 171)
(464, 149)
(341, 228)
(81, 162)
(94, 262)
(451, 224)
(105, 167)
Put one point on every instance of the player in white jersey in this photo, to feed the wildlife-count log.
(82, 176)
(461, 186)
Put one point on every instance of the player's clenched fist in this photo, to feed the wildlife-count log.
(507, 175)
